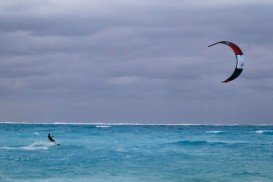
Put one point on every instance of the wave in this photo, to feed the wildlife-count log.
(203, 142)
(33, 146)
(8, 148)
(216, 132)
(187, 142)
(102, 126)
(268, 132)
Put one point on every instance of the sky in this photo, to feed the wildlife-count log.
(135, 61)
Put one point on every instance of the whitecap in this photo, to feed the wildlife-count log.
(102, 126)
(264, 131)
(36, 133)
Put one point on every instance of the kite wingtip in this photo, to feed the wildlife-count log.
(226, 81)
(213, 44)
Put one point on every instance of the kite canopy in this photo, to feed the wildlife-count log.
(239, 59)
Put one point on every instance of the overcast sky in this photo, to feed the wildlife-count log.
(139, 61)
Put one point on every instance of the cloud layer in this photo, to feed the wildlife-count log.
(134, 61)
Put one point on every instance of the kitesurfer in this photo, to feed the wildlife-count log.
(50, 138)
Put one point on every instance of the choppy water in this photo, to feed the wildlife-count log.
(136, 153)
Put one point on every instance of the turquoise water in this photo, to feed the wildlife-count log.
(136, 153)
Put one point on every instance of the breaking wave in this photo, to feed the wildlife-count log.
(268, 132)
(102, 126)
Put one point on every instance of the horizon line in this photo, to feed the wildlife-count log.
(133, 124)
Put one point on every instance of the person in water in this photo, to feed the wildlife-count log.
(50, 138)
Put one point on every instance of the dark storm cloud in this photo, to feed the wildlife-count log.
(129, 61)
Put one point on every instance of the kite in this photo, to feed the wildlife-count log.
(240, 60)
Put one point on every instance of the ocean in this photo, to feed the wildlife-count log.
(135, 153)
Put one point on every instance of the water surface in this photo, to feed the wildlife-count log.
(135, 153)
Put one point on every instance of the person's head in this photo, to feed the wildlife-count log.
(48, 134)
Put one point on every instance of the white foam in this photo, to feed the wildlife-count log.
(36, 133)
(8, 148)
(215, 131)
(33, 146)
(259, 131)
(263, 131)
(102, 126)
(38, 146)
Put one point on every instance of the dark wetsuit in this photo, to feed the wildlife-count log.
(50, 138)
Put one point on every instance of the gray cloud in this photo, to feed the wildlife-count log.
(134, 61)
